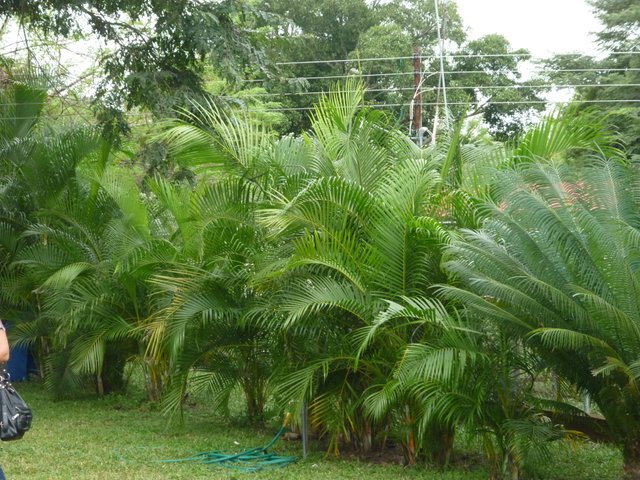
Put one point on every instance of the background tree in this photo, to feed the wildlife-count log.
(612, 81)
(494, 87)
(391, 32)
(155, 51)
(408, 26)
(313, 30)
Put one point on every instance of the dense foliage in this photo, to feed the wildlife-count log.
(400, 292)
(610, 83)
(303, 269)
(155, 52)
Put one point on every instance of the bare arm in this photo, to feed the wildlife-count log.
(4, 344)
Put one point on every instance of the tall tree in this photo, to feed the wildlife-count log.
(313, 30)
(609, 85)
(155, 51)
(482, 78)
(494, 87)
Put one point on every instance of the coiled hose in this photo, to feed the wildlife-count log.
(251, 460)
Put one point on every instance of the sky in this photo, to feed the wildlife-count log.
(543, 27)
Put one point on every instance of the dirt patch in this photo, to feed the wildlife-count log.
(392, 455)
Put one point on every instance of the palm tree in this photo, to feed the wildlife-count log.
(360, 252)
(84, 261)
(471, 374)
(78, 247)
(208, 289)
(39, 166)
(451, 374)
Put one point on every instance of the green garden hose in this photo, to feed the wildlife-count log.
(248, 461)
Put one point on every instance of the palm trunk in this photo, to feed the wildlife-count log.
(99, 384)
(410, 449)
(154, 374)
(410, 443)
(255, 396)
(440, 444)
(367, 437)
(514, 470)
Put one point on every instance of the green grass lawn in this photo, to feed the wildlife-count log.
(117, 438)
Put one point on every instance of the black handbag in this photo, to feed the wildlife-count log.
(16, 415)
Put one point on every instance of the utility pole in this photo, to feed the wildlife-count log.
(417, 94)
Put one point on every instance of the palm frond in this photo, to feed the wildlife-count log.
(568, 339)
(566, 131)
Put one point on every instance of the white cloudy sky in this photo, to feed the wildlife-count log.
(542, 26)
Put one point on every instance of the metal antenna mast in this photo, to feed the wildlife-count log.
(442, 81)
(416, 119)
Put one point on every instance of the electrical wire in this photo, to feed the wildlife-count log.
(432, 104)
(406, 89)
(471, 55)
(447, 72)
(457, 87)
(67, 115)
(381, 105)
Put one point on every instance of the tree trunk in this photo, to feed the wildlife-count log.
(112, 374)
(410, 449)
(514, 469)
(154, 374)
(439, 443)
(409, 442)
(254, 395)
(99, 385)
(366, 437)
(631, 456)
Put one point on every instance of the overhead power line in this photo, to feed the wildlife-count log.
(74, 115)
(434, 57)
(426, 70)
(348, 60)
(433, 104)
(456, 87)
(407, 89)
(447, 72)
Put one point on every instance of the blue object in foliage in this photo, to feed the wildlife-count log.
(17, 364)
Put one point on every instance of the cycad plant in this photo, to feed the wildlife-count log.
(555, 266)
(469, 371)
